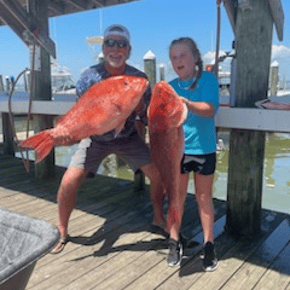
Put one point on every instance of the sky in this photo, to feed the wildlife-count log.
(153, 24)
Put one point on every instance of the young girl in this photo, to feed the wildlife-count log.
(199, 90)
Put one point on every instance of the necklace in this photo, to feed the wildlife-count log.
(187, 87)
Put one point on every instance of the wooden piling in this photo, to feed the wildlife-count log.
(150, 67)
(1, 84)
(101, 57)
(274, 78)
(8, 139)
(8, 87)
(42, 88)
(150, 71)
(254, 28)
(161, 72)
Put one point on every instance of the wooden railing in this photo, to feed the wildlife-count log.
(226, 117)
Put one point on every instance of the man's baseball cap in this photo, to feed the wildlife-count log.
(117, 29)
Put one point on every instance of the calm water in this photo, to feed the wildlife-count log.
(276, 180)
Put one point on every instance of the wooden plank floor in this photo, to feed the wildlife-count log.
(113, 246)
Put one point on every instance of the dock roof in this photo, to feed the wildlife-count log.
(64, 7)
(14, 13)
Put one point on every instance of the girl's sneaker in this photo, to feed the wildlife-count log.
(175, 253)
(210, 261)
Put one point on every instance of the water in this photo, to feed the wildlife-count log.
(276, 180)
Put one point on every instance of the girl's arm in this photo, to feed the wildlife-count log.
(205, 109)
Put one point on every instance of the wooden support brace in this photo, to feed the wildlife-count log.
(78, 4)
(20, 21)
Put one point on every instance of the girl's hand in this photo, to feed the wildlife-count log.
(204, 109)
(185, 101)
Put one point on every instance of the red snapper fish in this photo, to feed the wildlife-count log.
(166, 115)
(105, 106)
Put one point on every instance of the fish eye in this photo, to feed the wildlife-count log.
(126, 84)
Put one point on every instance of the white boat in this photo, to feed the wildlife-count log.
(61, 80)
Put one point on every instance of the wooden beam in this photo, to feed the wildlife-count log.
(57, 7)
(253, 119)
(232, 118)
(278, 17)
(254, 30)
(13, 14)
(42, 87)
(13, 23)
(231, 9)
(97, 2)
(79, 4)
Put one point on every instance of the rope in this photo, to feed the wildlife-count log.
(216, 66)
(11, 119)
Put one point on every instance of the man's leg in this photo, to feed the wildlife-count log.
(72, 179)
(157, 192)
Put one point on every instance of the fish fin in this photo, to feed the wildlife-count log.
(119, 128)
(42, 143)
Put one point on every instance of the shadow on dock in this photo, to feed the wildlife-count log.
(112, 237)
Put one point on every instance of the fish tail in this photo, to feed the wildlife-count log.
(42, 143)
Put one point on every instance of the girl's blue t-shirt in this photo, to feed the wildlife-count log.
(200, 132)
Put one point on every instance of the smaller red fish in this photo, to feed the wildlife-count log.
(105, 106)
(166, 115)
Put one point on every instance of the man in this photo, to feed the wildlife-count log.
(91, 151)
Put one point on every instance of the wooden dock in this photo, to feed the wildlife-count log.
(113, 246)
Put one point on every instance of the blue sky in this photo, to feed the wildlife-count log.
(153, 25)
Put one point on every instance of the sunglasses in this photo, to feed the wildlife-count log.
(112, 42)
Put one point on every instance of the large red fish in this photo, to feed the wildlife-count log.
(103, 107)
(166, 115)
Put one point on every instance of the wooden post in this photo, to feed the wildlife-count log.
(8, 139)
(7, 84)
(101, 57)
(42, 88)
(1, 83)
(254, 29)
(161, 72)
(274, 78)
(150, 67)
(25, 77)
(150, 71)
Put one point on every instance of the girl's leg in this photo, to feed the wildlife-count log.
(175, 229)
(174, 219)
(203, 189)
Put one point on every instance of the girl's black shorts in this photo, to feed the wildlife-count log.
(203, 164)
